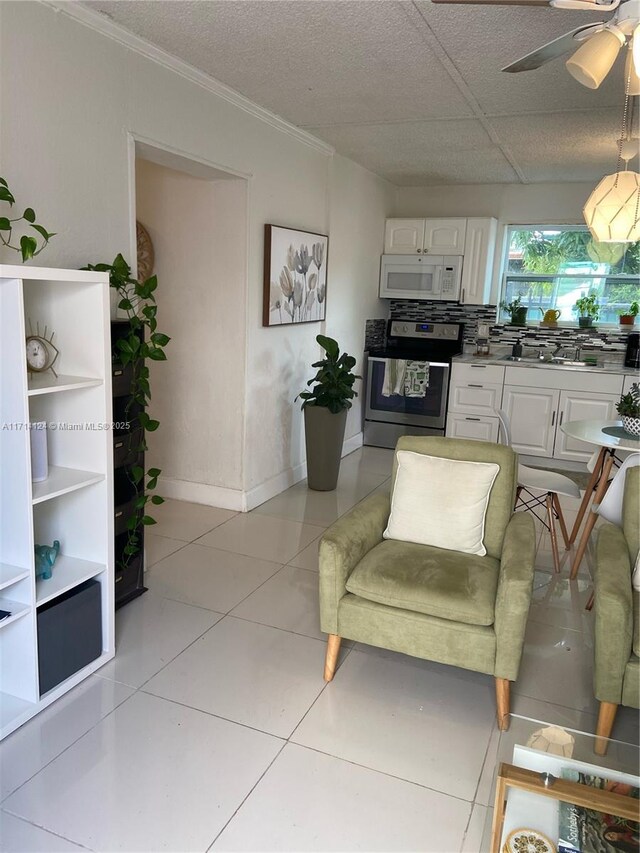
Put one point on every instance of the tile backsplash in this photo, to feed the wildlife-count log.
(603, 340)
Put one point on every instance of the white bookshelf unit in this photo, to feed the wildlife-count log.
(75, 503)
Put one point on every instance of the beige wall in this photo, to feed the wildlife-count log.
(198, 229)
(555, 204)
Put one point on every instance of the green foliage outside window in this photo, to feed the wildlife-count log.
(551, 267)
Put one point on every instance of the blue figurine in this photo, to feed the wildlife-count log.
(46, 556)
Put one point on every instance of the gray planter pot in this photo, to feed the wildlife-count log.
(585, 322)
(324, 435)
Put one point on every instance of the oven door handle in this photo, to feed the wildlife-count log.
(430, 363)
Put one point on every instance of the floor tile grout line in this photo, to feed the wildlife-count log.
(73, 743)
(44, 829)
(266, 770)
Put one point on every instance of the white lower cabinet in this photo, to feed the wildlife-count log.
(477, 427)
(574, 406)
(532, 415)
(536, 401)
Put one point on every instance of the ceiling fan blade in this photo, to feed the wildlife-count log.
(551, 50)
(495, 2)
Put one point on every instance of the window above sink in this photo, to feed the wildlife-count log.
(550, 267)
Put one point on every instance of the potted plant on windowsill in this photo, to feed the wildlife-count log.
(516, 311)
(628, 408)
(628, 317)
(587, 309)
(325, 409)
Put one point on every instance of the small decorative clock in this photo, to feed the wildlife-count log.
(41, 352)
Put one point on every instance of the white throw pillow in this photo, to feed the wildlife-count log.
(440, 502)
(635, 577)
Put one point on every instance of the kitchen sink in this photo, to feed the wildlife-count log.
(554, 362)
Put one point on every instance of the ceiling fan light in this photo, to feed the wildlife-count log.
(611, 211)
(592, 61)
(630, 72)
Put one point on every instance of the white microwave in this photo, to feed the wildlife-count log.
(426, 277)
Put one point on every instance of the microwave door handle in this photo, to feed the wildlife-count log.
(438, 289)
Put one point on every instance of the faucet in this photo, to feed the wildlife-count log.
(578, 352)
(557, 351)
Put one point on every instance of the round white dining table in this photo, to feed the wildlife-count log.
(609, 437)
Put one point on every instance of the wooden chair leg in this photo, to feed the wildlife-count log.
(563, 526)
(606, 718)
(552, 531)
(600, 492)
(588, 495)
(503, 692)
(331, 660)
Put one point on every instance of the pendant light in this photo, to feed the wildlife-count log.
(612, 211)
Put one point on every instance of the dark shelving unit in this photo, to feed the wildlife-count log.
(129, 578)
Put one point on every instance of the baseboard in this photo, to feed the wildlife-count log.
(353, 443)
(202, 493)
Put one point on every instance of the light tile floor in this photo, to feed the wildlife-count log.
(213, 729)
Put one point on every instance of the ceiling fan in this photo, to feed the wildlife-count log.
(598, 44)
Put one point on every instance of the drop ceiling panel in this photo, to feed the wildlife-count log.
(577, 146)
(411, 90)
(481, 40)
(423, 153)
(310, 62)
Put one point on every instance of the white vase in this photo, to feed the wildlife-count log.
(631, 425)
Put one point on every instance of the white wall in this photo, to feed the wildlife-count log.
(516, 204)
(198, 229)
(73, 96)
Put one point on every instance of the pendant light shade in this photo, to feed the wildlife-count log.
(612, 209)
(593, 60)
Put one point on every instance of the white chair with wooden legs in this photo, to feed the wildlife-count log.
(541, 490)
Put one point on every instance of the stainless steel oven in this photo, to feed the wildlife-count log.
(390, 415)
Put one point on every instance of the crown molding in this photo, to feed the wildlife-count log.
(103, 25)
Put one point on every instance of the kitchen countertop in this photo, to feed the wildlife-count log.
(500, 359)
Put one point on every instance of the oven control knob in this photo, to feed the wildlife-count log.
(405, 328)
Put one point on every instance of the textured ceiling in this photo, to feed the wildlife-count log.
(411, 90)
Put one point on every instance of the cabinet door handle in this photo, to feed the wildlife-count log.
(481, 366)
(472, 419)
(462, 297)
(471, 385)
(418, 250)
(553, 418)
(561, 417)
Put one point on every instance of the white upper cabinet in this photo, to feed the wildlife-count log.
(474, 239)
(444, 236)
(404, 236)
(430, 236)
(477, 270)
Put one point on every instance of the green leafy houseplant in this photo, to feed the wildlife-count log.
(627, 318)
(587, 309)
(629, 404)
(516, 311)
(142, 341)
(28, 245)
(325, 409)
(333, 383)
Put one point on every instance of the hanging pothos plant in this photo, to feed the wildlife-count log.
(28, 245)
(141, 342)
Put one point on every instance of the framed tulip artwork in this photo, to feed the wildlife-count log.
(295, 276)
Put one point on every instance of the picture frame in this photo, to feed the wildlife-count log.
(295, 276)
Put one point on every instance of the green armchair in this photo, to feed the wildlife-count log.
(616, 676)
(460, 609)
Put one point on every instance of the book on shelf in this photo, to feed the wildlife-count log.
(583, 830)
